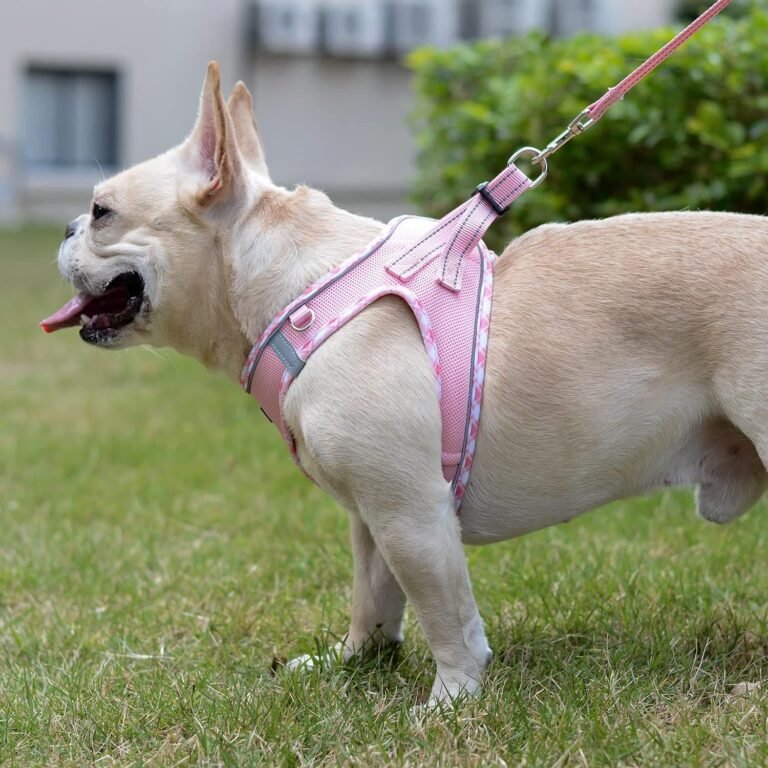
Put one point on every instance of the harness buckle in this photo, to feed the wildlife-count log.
(482, 190)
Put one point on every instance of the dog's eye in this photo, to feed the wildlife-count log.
(99, 212)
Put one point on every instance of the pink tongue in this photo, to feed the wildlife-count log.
(68, 315)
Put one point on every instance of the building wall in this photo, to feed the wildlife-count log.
(616, 18)
(160, 50)
(340, 127)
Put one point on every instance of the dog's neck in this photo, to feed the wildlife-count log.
(289, 240)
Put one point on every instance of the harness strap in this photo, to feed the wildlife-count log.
(454, 324)
(458, 234)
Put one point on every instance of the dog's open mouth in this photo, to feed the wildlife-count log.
(101, 316)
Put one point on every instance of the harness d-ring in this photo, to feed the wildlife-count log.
(303, 324)
(537, 157)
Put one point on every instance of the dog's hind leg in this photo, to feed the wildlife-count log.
(378, 604)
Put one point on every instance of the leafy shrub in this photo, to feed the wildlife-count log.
(694, 135)
(688, 10)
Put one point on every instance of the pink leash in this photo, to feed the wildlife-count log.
(601, 106)
(588, 117)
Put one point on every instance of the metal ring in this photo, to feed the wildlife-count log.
(539, 158)
(304, 326)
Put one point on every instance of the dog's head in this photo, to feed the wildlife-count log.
(144, 256)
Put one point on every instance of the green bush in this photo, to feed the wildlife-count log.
(694, 135)
(688, 10)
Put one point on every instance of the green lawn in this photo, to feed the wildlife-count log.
(160, 552)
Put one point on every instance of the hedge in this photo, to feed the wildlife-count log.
(693, 136)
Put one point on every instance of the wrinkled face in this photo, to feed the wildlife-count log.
(118, 253)
(142, 258)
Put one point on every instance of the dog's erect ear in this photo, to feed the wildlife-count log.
(240, 108)
(211, 149)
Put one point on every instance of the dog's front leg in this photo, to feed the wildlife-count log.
(422, 545)
(375, 444)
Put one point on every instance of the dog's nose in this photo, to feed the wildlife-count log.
(71, 229)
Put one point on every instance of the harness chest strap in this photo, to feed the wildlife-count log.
(444, 273)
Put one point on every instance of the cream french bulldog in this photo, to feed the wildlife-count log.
(625, 355)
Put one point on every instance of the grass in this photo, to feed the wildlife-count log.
(159, 551)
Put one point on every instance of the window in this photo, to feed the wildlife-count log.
(354, 28)
(584, 13)
(415, 22)
(420, 21)
(503, 18)
(70, 118)
(351, 25)
(469, 19)
(567, 17)
(288, 26)
(286, 19)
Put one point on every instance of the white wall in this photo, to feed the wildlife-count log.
(614, 17)
(340, 127)
(160, 48)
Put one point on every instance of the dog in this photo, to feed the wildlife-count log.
(625, 355)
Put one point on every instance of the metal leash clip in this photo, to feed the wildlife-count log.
(576, 127)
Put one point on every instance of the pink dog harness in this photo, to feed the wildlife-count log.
(443, 271)
(451, 301)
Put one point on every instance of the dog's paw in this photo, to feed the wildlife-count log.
(303, 663)
(744, 690)
(334, 656)
(443, 706)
